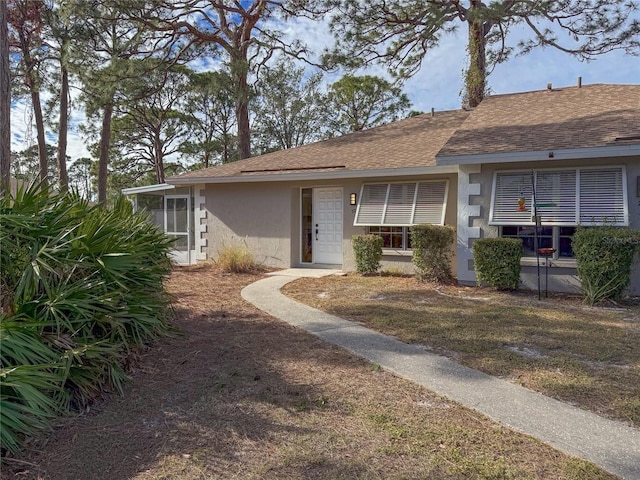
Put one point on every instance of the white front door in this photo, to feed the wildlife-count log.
(177, 225)
(327, 225)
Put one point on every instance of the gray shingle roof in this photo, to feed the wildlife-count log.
(412, 142)
(564, 118)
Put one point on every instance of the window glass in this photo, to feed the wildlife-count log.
(564, 242)
(528, 236)
(548, 237)
(392, 237)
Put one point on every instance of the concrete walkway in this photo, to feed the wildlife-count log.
(609, 444)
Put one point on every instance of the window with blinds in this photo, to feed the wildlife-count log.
(563, 197)
(402, 204)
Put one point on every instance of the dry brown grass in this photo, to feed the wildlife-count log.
(239, 395)
(587, 356)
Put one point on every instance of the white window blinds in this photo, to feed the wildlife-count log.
(402, 204)
(603, 197)
(567, 197)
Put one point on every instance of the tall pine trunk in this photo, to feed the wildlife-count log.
(63, 177)
(103, 161)
(42, 146)
(5, 102)
(240, 72)
(34, 90)
(244, 132)
(476, 74)
(157, 145)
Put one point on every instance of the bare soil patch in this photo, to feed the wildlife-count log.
(239, 395)
(586, 356)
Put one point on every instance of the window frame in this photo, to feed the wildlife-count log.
(406, 232)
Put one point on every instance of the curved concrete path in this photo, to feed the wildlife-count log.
(609, 444)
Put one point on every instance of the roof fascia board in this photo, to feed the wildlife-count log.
(147, 188)
(387, 172)
(565, 154)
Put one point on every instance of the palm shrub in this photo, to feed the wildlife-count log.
(497, 262)
(80, 285)
(367, 250)
(604, 255)
(432, 247)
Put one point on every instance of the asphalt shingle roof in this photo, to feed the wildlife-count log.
(565, 118)
(412, 142)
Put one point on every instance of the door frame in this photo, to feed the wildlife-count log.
(313, 222)
(179, 256)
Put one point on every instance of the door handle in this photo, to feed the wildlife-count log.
(316, 234)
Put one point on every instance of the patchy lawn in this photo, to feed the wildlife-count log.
(586, 356)
(239, 395)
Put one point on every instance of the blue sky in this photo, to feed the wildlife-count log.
(437, 85)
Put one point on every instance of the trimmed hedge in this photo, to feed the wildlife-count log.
(605, 256)
(432, 247)
(497, 262)
(368, 253)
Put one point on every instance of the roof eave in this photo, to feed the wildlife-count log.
(386, 172)
(541, 155)
(147, 189)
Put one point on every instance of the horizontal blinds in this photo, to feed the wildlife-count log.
(431, 203)
(372, 203)
(556, 196)
(602, 198)
(509, 187)
(402, 204)
(588, 196)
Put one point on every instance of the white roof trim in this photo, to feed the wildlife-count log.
(564, 154)
(276, 177)
(147, 189)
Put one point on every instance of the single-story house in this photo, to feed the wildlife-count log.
(569, 155)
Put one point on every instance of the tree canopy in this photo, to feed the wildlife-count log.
(288, 107)
(361, 102)
(240, 31)
(400, 33)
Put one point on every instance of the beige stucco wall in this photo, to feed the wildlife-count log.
(257, 216)
(265, 217)
(562, 274)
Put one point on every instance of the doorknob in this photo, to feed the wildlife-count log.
(316, 234)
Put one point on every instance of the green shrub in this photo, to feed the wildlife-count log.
(497, 262)
(605, 256)
(80, 285)
(236, 259)
(368, 252)
(432, 247)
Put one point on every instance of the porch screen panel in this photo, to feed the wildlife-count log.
(400, 204)
(556, 195)
(508, 187)
(372, 203)
(602, 197)
(431, 203)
